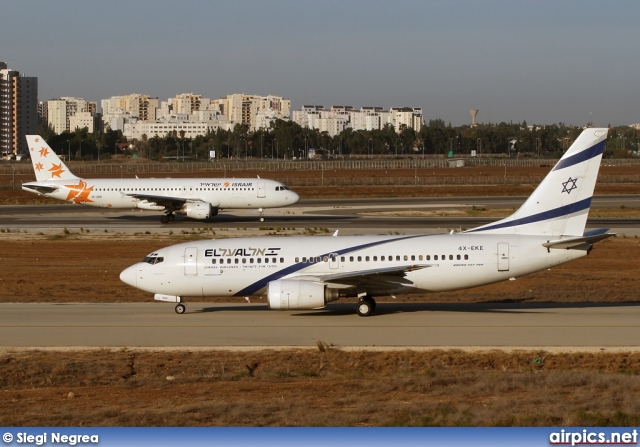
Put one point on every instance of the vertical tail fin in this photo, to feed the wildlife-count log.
(560, 204)
(46, 164)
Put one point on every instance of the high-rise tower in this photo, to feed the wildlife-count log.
(18, 109)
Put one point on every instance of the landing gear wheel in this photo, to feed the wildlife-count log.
(164, 219)
(181, 308)
(366, 306)
(171, 217)
(262, 219)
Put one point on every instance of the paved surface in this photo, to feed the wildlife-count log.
(334, 214)
(531, 326)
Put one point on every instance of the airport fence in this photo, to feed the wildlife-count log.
(13, 174)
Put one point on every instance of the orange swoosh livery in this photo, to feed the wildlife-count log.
(56, 170)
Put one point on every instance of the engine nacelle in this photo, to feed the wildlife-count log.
(199, 210)
(295, 294)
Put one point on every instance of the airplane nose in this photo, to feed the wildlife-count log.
(129, 276)
(294, 197)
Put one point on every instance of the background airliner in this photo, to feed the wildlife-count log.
(198, 198)
(309, 272)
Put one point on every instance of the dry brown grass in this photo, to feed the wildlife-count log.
(318, 388)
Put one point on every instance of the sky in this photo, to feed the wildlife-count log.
(543, 61)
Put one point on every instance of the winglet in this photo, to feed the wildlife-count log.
(46, 164)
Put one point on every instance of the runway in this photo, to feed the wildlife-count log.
(252, 326)
(363, 214)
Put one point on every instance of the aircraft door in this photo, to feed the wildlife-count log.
(191, 261)
(503, 256)
(334, 261)
(261, 190)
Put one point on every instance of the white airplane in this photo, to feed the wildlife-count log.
(198, 198)
(309, 272)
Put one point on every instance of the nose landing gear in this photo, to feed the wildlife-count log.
(181, 308)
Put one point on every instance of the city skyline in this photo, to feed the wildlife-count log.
(542, 62)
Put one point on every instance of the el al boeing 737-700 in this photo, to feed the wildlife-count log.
(309, 272)
(198, 198)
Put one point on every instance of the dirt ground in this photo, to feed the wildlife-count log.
(316, 387)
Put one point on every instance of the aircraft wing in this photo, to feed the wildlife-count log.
(382, 278)
(171, 203)
(590, 237)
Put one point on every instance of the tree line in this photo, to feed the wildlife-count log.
(288, 140)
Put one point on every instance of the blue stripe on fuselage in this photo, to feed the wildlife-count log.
(301, 265)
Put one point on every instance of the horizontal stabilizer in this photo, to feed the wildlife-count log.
(41, 189)
(590, 237)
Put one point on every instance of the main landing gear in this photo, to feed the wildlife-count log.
(168, 217)
(366, 306)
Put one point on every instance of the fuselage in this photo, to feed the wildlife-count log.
(241, 193)
(244, 267)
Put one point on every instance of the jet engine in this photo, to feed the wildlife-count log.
(199, 210)
(286, 294)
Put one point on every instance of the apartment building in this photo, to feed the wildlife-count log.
(245, 109)
(338, 118)
(143, 107)
(69, 113)
(18, 110)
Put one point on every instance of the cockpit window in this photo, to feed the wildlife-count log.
(153, 259)
(282, 188)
